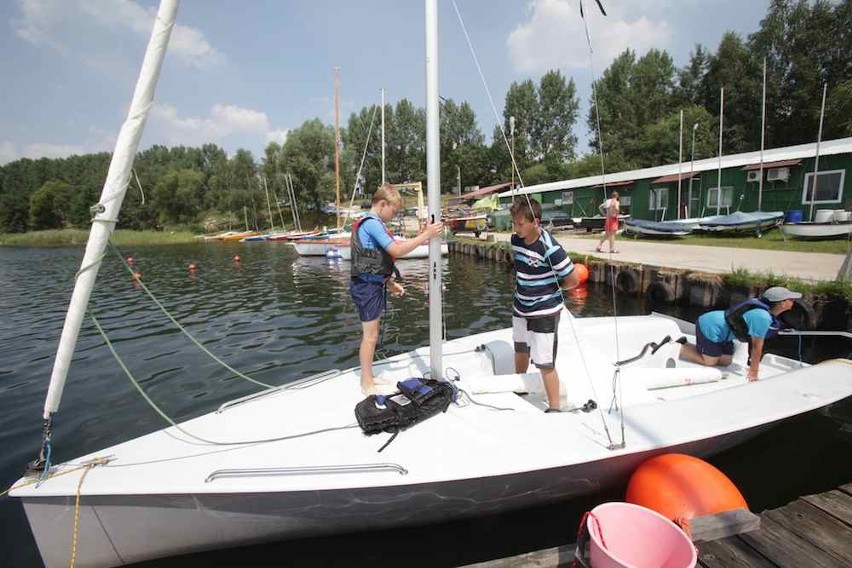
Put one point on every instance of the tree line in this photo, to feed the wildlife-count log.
(636, 100)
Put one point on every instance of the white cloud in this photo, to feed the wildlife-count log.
(9, 152)
(279, 136)
(554, 37)
(223, 121)
(93, 29)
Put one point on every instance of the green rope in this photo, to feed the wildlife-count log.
(183, 329)
(165, 417)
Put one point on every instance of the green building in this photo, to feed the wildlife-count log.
(779, 180)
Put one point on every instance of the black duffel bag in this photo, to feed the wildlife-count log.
(417, 400)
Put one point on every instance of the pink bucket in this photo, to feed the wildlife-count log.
(624, 535)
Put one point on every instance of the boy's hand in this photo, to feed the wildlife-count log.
(395, 288)
(434, 229)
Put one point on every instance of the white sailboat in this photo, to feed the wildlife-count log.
(290, 461)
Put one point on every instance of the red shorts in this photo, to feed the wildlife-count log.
(611, 224)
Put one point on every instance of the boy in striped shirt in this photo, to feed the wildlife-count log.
(542, 268)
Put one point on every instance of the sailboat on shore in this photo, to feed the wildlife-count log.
(290, 462)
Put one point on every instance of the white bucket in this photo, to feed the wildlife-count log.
(823, 215)
(624, 535)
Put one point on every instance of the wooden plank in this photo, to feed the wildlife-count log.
(721, 525)
(787, 549)
(546, 558)
(836, 503)
(817, 527)
(730, 552)
(847, 488)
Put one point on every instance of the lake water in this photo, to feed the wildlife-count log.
(277, 317)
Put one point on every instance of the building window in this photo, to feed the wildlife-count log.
(659, 198)
(713, 197)
(829, 187)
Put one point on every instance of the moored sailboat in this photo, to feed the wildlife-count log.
(290, 461)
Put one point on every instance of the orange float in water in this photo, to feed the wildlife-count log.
(582, 272)
(192, 267)
(130, 260)
(237, 258)
(681, 487)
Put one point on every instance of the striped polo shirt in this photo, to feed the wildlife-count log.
(538, 269)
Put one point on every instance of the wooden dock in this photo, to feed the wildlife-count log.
(815, 530)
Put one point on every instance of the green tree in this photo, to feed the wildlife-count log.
(552, 138)
(49, 206)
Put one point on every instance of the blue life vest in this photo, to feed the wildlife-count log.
(735, 320)
(369, 260)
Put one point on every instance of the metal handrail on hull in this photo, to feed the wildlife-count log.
(307, 470)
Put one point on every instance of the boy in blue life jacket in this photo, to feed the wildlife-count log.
(752, 321)
(373, 252)
(542, 268)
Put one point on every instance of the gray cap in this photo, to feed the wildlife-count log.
(780, 293)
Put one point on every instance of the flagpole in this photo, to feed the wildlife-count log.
(816, 161)
(762, 140)
(679, 163)
(719, 172)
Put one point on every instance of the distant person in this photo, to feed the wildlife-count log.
(752, 322)
(373, 252)
(609, 209)
(542, 267)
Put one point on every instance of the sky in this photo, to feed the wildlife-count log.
(241, 73)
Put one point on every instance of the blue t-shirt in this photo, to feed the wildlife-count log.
(715, 328)
(373, 235)
(538, 269)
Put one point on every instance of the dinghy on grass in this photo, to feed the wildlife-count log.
(739, 222)
(656, 228)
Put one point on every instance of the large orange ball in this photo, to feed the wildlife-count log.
(679, 486)
(582, 272)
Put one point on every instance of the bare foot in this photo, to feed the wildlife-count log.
(377, 389)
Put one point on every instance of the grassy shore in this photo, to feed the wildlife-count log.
(78, 237)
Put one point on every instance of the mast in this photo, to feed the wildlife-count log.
(816, 161)
(337, 145)
(679, 162)
(384, 178)
(110, 201)
(433, 187)
(719, 173)
(268, 206)
(762, 140)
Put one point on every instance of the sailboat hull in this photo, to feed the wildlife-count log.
(121, 529)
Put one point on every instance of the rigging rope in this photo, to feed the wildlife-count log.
(183, 329)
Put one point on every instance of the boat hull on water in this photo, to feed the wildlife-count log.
(422, 251)
(167, 493)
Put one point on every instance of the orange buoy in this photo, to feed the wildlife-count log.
(192, 267)
(582, 272)
(237, 258)
(681, 487)
(129, 260)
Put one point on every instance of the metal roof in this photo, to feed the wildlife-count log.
(674, 177)
(826, 148)
(767, 165)
(483, 191)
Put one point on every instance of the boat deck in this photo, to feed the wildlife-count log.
(814, 530)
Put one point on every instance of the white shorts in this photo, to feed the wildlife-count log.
(537, 337)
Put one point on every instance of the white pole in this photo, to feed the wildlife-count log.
(112, 196)
(679, 162)
(384, 177)
(692, 169)
(762, 140)
(433, 188)
(268, 206)
(719, 173)
(816, 161)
